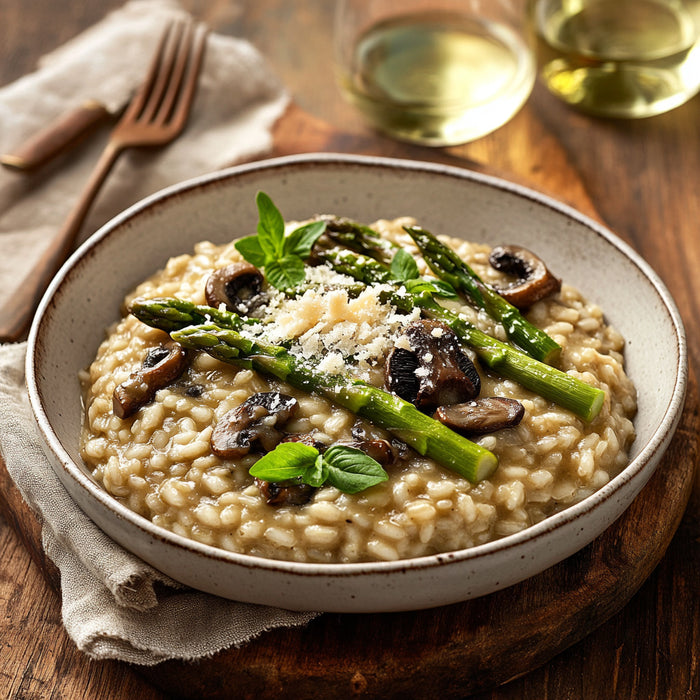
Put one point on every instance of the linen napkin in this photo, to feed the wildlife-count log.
(113, 604)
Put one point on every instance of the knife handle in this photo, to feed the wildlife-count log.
(56, 137)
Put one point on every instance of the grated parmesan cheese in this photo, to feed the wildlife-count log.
(326, 325)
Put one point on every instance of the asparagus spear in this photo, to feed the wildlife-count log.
(448, 266)
(563, 389)
(426, 435)
(171, 314)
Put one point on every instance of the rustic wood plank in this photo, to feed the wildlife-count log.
(38, 658)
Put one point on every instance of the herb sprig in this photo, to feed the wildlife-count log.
(405, 270)
(280, 257)
(348, 469)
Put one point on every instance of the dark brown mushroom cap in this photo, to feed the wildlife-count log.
(481, 416)
(161, 366)
(238, 286)
(253, 425)
(309, 439)
(435, 371)
(379, 450)
(534, 280)
(285, 493)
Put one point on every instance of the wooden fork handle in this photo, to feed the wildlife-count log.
(18, 310)
(56, 137)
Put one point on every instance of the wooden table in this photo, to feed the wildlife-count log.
(641, 179)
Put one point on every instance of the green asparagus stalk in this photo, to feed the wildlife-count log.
(360, 238)
(426, 435)
(563, 389)
(449, 267)
(171, 314)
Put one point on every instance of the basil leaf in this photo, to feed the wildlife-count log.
(270, 226)
(301, 240)
(350, 470)
(403, 266)
(444, 289)
(416, 286)
(249, 248)
(286, 461)
(436, 287)
(285, 273)
(317, 474)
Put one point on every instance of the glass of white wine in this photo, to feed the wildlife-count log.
(619, 58)
(435, 72)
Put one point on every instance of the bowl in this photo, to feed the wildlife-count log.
(85, 297)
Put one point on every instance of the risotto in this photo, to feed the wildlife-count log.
(159, 462)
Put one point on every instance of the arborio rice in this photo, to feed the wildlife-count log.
(159, 462)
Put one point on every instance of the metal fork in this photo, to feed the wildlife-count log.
(155, 116)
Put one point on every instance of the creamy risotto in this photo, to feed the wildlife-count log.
(159, 461)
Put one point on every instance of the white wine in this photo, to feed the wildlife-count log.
(439, 78)
(619, 58)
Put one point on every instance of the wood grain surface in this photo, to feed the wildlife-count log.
(641, 179)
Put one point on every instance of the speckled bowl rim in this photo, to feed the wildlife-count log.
(657, 443)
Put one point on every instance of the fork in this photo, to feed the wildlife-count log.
(156, 115)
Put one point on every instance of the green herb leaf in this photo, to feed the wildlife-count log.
(444, 289)
(416, 286)
(317, 474)
(350, 470)
(436, 287)
(286, 461)
(270, 226)
(403, 266)
(249, 248)
(301, 240)
(281, 257)
(286, 272)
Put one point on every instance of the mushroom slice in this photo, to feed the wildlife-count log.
(435, 371)
(360, 434)
(161, 366)
(253, 425)
(534, 280)
(379, 450)
(238, 286)
(285, 493)
(481, 416)
(309, 439)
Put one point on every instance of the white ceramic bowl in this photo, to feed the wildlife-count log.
(85, 296)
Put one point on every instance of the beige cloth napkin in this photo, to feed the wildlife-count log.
(113, 604)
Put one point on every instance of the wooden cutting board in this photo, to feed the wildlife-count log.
(456, 650)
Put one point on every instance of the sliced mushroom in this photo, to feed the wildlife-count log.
(285, 493)
(162, 366)
(481, 416)
(361, 434)
(238, 286)
(381, 451)
(291, 492)
(435, 371)
(378, 449)
(534, 280)
(253, 425)
(307, 439)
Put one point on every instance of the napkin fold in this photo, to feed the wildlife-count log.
(238, 99)
(113, 604)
